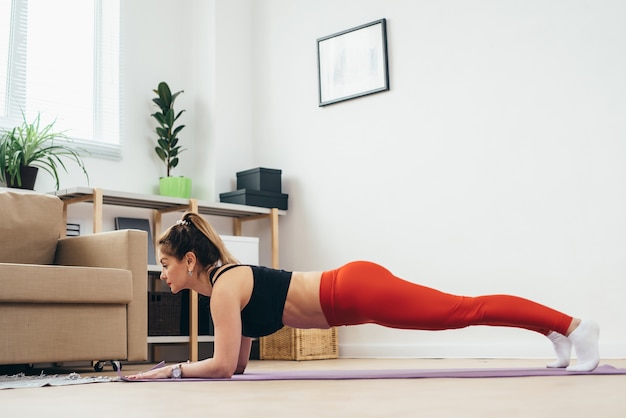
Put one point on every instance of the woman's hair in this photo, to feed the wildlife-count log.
(193, 233)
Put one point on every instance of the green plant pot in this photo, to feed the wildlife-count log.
(175, 187)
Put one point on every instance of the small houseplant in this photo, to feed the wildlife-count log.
(31, 146)
(167, 147)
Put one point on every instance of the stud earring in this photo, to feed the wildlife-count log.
(189, 273)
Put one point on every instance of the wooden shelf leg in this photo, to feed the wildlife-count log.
(156, 230)
(63, 232)
(236, 227)
(274, 226)
(193, 325)
(193, 306)
(98, 207)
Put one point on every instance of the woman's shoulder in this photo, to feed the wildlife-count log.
(215, 273)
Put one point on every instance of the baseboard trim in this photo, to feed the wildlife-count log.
(469, 350)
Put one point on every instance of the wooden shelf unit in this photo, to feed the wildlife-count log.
(164, 204)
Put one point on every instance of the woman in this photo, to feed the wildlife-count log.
(250, 301)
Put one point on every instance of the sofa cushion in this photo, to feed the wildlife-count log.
(46, 333)
(30, 225)
(29, 283)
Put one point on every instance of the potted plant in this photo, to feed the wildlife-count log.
(167, 143)
(31, 146)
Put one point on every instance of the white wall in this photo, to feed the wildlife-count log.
(184, 44)
(493, 165)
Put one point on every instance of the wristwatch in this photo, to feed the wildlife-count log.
(177, 371)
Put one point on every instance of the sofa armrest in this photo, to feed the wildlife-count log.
(125, 249)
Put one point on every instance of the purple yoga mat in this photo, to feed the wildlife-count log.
(604, 369)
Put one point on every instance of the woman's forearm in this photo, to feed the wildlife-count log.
(207, 369)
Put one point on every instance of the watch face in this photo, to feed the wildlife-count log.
(176, 372)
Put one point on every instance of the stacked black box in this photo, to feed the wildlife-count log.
(165, 313)
(168, 314)
(258, 187)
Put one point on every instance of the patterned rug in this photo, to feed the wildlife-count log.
(21, 380)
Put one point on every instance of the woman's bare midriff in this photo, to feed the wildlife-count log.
(303, 308)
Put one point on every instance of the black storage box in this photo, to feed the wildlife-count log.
(168, 314)
(205, 321)
(256, 198)
(264, 179)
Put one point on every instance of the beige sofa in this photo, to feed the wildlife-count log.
(68, 299)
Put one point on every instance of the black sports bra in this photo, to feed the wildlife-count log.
(263, 315)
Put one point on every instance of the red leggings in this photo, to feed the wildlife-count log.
(363, 292)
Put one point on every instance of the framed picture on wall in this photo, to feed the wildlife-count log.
(353, 63)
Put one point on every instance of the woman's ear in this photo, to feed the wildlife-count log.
(190, 260)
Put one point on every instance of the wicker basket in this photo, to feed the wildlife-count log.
(164, 313)
(167, 313)
(300, 344)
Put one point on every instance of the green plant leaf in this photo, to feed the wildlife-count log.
(159, 117)
(169, 118)
(160, 153)
(163, 144)
(33, 143)
(179, 113)
(167, 148)
(178, 129)
(175, 95)
(165, 94)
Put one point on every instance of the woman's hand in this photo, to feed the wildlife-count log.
(158, 373)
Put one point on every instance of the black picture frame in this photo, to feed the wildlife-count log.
(353, 63)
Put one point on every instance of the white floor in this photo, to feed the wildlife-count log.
(537, 397)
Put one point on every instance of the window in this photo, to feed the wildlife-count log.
(61, 59)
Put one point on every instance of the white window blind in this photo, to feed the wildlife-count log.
(61, 59)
